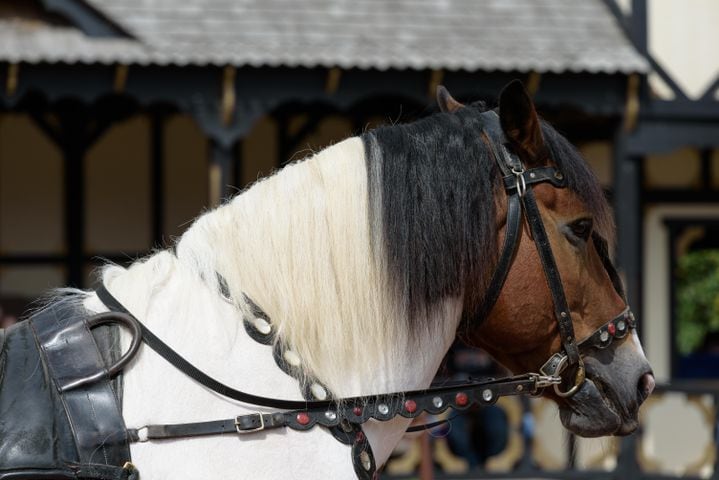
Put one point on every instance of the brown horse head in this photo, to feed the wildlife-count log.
(521, 329)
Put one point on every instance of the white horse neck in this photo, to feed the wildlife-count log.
(326, 295)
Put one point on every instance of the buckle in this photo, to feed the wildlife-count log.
(241, 430)
(554, 366)
(520, 183)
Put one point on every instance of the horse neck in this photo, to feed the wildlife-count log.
(298, 244)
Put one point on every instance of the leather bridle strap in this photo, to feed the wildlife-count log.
(509, 249)
(551, 273)
(357, 410)
(561, 309)
(518, 182)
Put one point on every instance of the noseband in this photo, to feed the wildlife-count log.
(518, 183)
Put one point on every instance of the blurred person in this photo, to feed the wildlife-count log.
(482, 431)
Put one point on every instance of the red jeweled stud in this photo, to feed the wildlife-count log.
(357, 411)
(303, 418)
(410, 406)
(612, 329)
(359, 438)
(461, 399)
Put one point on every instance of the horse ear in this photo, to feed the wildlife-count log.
(519, 120)
(445, 101)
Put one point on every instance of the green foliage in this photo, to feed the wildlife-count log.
(697, 300)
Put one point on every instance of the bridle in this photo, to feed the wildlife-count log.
(517, 182)
(344, 416)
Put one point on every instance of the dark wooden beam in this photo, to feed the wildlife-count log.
(635, 29)
(662, 136)
(682, 196)
(81, 14)
(268, 87)
(628, 215)
(77, 128)
(31, 259)
(638, 22)
(710, 94)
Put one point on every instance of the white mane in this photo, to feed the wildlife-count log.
(298, 244)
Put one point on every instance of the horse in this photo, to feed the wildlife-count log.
(355, 270)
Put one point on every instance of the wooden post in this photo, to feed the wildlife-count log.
(426, 466)
(221, 159)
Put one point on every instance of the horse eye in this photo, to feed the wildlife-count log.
(582, 228)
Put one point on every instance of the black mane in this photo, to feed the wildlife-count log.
(432, 186)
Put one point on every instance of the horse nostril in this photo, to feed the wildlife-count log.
(646, 386)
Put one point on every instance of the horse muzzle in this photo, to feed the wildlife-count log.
(618, 380)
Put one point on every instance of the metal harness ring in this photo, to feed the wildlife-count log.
(578, 378)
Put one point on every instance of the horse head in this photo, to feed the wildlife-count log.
(520, 328)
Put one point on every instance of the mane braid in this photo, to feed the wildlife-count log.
(432, 187)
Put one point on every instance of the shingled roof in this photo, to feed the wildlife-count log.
(504, 35)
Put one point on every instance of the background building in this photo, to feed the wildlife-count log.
(121, 120)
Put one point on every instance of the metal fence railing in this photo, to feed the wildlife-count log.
(677, 438)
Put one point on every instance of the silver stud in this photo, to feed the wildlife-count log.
(383, 409)
(558, 175)
(291, 358)
(487, 395)
(262, 326)
(318, 391)
(604, 336)
(330, 415)
(621, 325)
(563, 314)
(532, 175)
(520, 388)
(437, 402)
(365, 460)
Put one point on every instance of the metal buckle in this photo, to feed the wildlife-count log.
(520, 182)
(554, 367)
(250, 430)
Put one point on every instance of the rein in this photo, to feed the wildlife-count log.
(304, 415)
